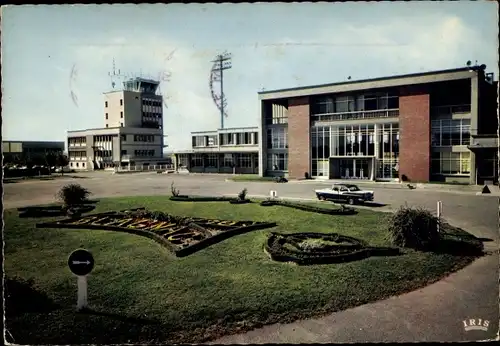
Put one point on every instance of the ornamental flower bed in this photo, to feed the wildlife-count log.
(320, 248)
(181, 235)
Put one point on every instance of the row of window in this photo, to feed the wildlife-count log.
(344, 104)
(77, 141)
(103, 153)
(103, 138)
(106, 103)
(276, 114)
(277, 138)
(144, 138)
(450, 132)
(241, 138)
(450, 163)
(77, 154)
(121, 115)
(212, 160)
(151, 102)
(144, 153)
(77, 164)
(357, 140)
(277, 161)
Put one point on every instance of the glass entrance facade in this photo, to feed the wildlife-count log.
(354, 148)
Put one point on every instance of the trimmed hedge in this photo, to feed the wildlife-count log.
(355, 249)
(54, 211)
(201, 199)
(310, 208)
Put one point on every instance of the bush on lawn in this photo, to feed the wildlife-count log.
(73, 194)
(414, 228)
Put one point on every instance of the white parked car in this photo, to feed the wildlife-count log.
(346, 193)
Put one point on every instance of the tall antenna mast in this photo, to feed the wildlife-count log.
(114, 75)
(221, 62)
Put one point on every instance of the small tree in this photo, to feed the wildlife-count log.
(73, 194)
(62, 161)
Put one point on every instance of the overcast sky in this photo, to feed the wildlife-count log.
(56, 59)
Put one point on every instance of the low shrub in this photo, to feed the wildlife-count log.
(243, 194)
(73, 194)
(414, 228)
(184, 198)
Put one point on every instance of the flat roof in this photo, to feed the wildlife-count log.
(117, 129)
(380, 82)
(34, 142)
(227, 129)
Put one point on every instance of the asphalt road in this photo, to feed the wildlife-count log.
(434, 313)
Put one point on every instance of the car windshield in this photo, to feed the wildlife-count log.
(353, 188)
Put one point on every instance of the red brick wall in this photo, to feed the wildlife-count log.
(415, 139)
(299, 142)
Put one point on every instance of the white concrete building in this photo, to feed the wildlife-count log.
(133, 132)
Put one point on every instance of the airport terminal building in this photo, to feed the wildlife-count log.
(434, 126)
(133, 132)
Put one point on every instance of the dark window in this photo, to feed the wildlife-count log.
(124, 152)
(121, 102)
(106, 116)
(106, 104)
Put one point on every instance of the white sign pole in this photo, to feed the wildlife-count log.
(439, 212)
(82, 292)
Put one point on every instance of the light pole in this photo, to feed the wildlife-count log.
(221, 62)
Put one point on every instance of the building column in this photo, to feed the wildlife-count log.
(235, 138)
(474, 114)
(376, 131)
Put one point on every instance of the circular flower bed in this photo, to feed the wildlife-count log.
(320, 248)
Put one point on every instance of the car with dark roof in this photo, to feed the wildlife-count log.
(345, 193)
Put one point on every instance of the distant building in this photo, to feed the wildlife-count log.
(133, 132)
(225, 150)
(22, 150)
(434, 126)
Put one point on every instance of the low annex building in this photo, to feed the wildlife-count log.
(228, 150)
(434, 126)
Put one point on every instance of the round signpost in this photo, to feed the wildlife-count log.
(81, 263)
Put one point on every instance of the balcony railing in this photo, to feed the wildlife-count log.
(380, 113)
(452, 109)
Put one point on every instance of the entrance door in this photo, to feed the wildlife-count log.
(362, 169)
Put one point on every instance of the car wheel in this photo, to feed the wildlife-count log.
(351, 201)
(322, 198)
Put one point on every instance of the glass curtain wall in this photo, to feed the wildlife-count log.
(356, 141)
(388, 142)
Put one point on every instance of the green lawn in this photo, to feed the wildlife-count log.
(228, 287)
(251, 177)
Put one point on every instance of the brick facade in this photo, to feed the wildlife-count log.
(299, 133)
(415, 139)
